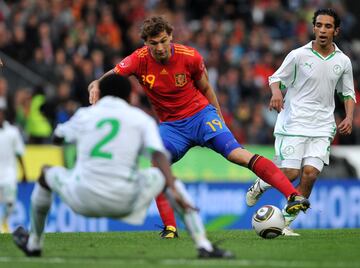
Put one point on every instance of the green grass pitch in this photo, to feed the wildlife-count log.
(313, 249)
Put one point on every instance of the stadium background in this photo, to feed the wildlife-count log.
(53, 49)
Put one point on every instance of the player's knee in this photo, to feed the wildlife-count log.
(240, 156)
(310, 174)
(291, 173)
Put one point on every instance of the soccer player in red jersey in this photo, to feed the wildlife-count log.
(175, 81)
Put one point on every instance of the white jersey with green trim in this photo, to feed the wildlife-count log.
(109, 137)
(11, 145)
(311, 80)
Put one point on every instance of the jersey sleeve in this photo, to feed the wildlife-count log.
(127, 66)
(70, 130)
(286, 73)
(345, 85)
(197, 66)
(151, 135)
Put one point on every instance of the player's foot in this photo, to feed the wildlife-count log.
(296, 203)
(4, 228)
(254, 193)
(287, 231)
(216, 253)
(289, 218)
(21, 237)
(169, 232)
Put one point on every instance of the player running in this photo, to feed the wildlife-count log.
(11, 148)
(305, 126)
(175, 81)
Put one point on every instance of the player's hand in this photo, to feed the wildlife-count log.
(180, 201)
(94, 92)
(276, 101)
(345, 127)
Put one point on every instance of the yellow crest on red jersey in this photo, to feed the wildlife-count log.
(180, 80)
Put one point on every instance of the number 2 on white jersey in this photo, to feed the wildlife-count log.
(97, 150)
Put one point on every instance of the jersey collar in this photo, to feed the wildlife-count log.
(309, 46)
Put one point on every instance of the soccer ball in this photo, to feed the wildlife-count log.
(268, 222)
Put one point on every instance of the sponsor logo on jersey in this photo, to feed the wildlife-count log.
(125, 62)
(180, 80)
(288, 150)
(337, 69)
(164, 72)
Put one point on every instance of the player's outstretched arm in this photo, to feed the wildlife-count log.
(94, 90)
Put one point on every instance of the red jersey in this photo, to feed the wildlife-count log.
(170, 87)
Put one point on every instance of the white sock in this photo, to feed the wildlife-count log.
(191, 218)
(40, 205)
(264, 185)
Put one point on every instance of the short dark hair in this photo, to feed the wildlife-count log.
(329, 12)
(115, 85)
(155, 25)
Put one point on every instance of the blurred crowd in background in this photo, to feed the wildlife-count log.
(69, 43)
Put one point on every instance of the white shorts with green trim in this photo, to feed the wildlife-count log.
(296, 152)
(124, 199)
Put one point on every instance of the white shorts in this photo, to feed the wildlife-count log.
(127, 200)
(296, 152)
(8, 191)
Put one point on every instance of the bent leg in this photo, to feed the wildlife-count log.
(264, 169)
(40, 204)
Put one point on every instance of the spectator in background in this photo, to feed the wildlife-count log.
(45, 43)
(230, 34)
(22, 102)
(19, 46)
(39, 65)
(6, 98)
(108, 34)
(38, 128)
(97, 57)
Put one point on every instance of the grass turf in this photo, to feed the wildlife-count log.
(313, 249)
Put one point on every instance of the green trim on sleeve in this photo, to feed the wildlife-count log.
(282, 86)
(150, 150)
(344, 98)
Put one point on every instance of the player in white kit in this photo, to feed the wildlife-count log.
(305, 126)
(11, 148)
(106, 180)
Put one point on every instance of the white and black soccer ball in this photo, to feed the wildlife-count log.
(268, 222)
